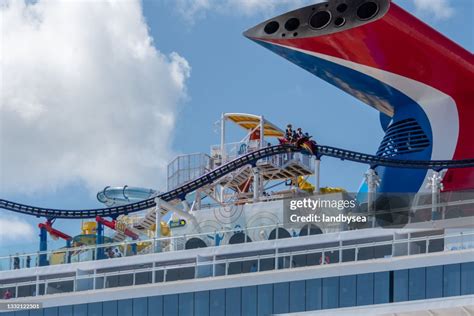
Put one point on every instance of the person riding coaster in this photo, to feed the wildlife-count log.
(299, 139)
(289, 133)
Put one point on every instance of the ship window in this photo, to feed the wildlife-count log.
(81, 309)
(297, 297)
(400, 285)
(109, 306)
(53, 311)
(239, 238)
(417, 284)
(282, 233)
(313, 294)
(467, 275)
(330, 292)
(232, 301)
(140, 306)
(217, 302)
(201, 303)
(92, 309)
(170, 304)
(265, 299)
(310, 230)
(434, 282)
(29, 290)
(249, 300)
(381, 287)
(124, 307)
(365, 289)
(281, 293)
(65, 286)
(347, 290)
(194, 243)
(403, 137)
(185, 304)
(155, 305)
(452, 280)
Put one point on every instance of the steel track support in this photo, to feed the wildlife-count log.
(256, 184)
(373, 181)
(317, 174)
(186, 206)
(436, 185)
(43, 260)
(100, 241)
(158, 224)
(223, 153)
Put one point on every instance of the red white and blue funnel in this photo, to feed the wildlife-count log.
(419, 80)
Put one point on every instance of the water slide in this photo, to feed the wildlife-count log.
(115, 196)
(208, 178)
(304, 185)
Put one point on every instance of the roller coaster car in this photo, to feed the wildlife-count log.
(304, 142)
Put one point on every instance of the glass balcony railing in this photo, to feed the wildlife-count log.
(413, 217)
(274, 258)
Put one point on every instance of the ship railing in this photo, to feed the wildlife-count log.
(414, 215)
(238, 149)
(281, 160)
(418, 214)
(278, 260)
(233, 150)
(273, 196)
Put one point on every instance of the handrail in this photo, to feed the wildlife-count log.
(276, 255)
(211, 176)
(126, 244)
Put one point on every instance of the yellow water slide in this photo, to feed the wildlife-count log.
(304, 185)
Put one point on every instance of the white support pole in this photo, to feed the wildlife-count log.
(317, 174)
(436, 185)
(186, 206)
(373, 181)
(221, 193)
(158, 224)
(256, 184)
(223, 153)
(262, 131)
(197, 200)
(37, 286)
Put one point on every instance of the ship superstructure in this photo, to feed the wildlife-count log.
(232, 248)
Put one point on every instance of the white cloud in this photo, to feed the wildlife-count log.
(192, 9)
(15, 230)
(85, 96)
(439, 9)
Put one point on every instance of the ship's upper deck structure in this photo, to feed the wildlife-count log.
(230, 244)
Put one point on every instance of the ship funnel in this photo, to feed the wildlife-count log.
(320, 19)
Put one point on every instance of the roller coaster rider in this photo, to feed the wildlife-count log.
(299, 134)
(289, 133)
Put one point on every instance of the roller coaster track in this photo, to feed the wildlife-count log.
(210, 177)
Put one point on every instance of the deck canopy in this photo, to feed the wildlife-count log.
(251, 122)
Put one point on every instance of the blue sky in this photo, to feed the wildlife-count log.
(229, 73)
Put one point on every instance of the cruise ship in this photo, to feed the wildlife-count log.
(247, 229)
